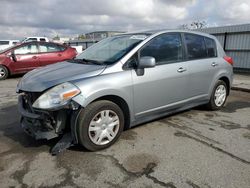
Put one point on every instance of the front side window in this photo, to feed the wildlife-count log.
(44, 48)
(111, 49)
(211, 47)
(26, 49)
(196, 48)
(166, 48)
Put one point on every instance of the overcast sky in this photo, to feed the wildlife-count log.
(22, 18)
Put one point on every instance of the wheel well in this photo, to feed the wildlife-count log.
(6, 68)
(122, 104)
(226, 80)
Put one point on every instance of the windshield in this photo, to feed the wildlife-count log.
(110, 50)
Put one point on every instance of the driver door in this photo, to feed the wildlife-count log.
(26, 58)
(164, 86)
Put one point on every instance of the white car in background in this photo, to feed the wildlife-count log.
(4, 44)
(30, 39)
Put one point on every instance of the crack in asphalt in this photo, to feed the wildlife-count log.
(182, 134)
(146, 172)
(191, 130)
(192, 184)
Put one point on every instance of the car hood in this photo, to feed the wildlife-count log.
(43, 78)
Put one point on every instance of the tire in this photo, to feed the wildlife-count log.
(4, 73)
(98, 123)
(214, 102)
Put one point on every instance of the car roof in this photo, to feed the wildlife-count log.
(160, 31)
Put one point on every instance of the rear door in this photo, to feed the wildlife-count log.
(163, 86)
(26, 58)
(203, 63)
(50, 53)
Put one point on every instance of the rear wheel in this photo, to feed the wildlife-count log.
(4, 73)
(219, 96)
(99, 125)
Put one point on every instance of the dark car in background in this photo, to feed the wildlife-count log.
(28, 56)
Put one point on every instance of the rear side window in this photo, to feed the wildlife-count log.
(62, 48)
(48, 47)
(42, 39)
(4, 42)
(196, 48)
(166, 48)
(211, 47)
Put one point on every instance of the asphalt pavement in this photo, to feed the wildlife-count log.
(195, 148)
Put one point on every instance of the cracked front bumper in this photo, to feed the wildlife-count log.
(40, 124)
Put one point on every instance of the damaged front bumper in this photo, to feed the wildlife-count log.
(42, 124)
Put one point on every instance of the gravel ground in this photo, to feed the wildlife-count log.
(195, 148)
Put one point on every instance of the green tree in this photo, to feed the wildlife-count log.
(81, 36)
(56, 37)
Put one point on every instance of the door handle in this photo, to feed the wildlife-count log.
(214, 64)
(34, 57)
(181, 69)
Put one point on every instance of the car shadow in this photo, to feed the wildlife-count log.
(17, 75)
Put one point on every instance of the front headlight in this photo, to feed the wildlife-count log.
(57, 96)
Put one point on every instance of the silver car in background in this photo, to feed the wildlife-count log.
(123, 81)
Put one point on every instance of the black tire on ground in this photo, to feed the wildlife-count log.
(211, 105)
(85, 117)
(4, 73)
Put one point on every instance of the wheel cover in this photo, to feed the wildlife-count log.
(220, 95)
(104, 127)
(2, 72)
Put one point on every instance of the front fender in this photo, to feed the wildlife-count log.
(117, 84)
(85, 100)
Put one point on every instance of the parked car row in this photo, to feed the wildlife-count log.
(120, 82)
(4, 44)
(30, 55)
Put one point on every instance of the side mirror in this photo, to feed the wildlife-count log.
(13, 56)
(146, 62)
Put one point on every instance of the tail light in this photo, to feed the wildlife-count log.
(229, 60)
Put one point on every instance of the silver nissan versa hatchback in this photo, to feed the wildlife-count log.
(120, 82)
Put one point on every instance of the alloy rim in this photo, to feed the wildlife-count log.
(220, 95)
(2, 72)
(104, 127)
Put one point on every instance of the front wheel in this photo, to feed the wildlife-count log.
(99, 125)
(219, 96)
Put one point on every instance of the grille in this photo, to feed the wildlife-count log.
(29, 98)
(32, 96)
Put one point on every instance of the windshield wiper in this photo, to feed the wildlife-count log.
(86, 61)
(91, 61)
